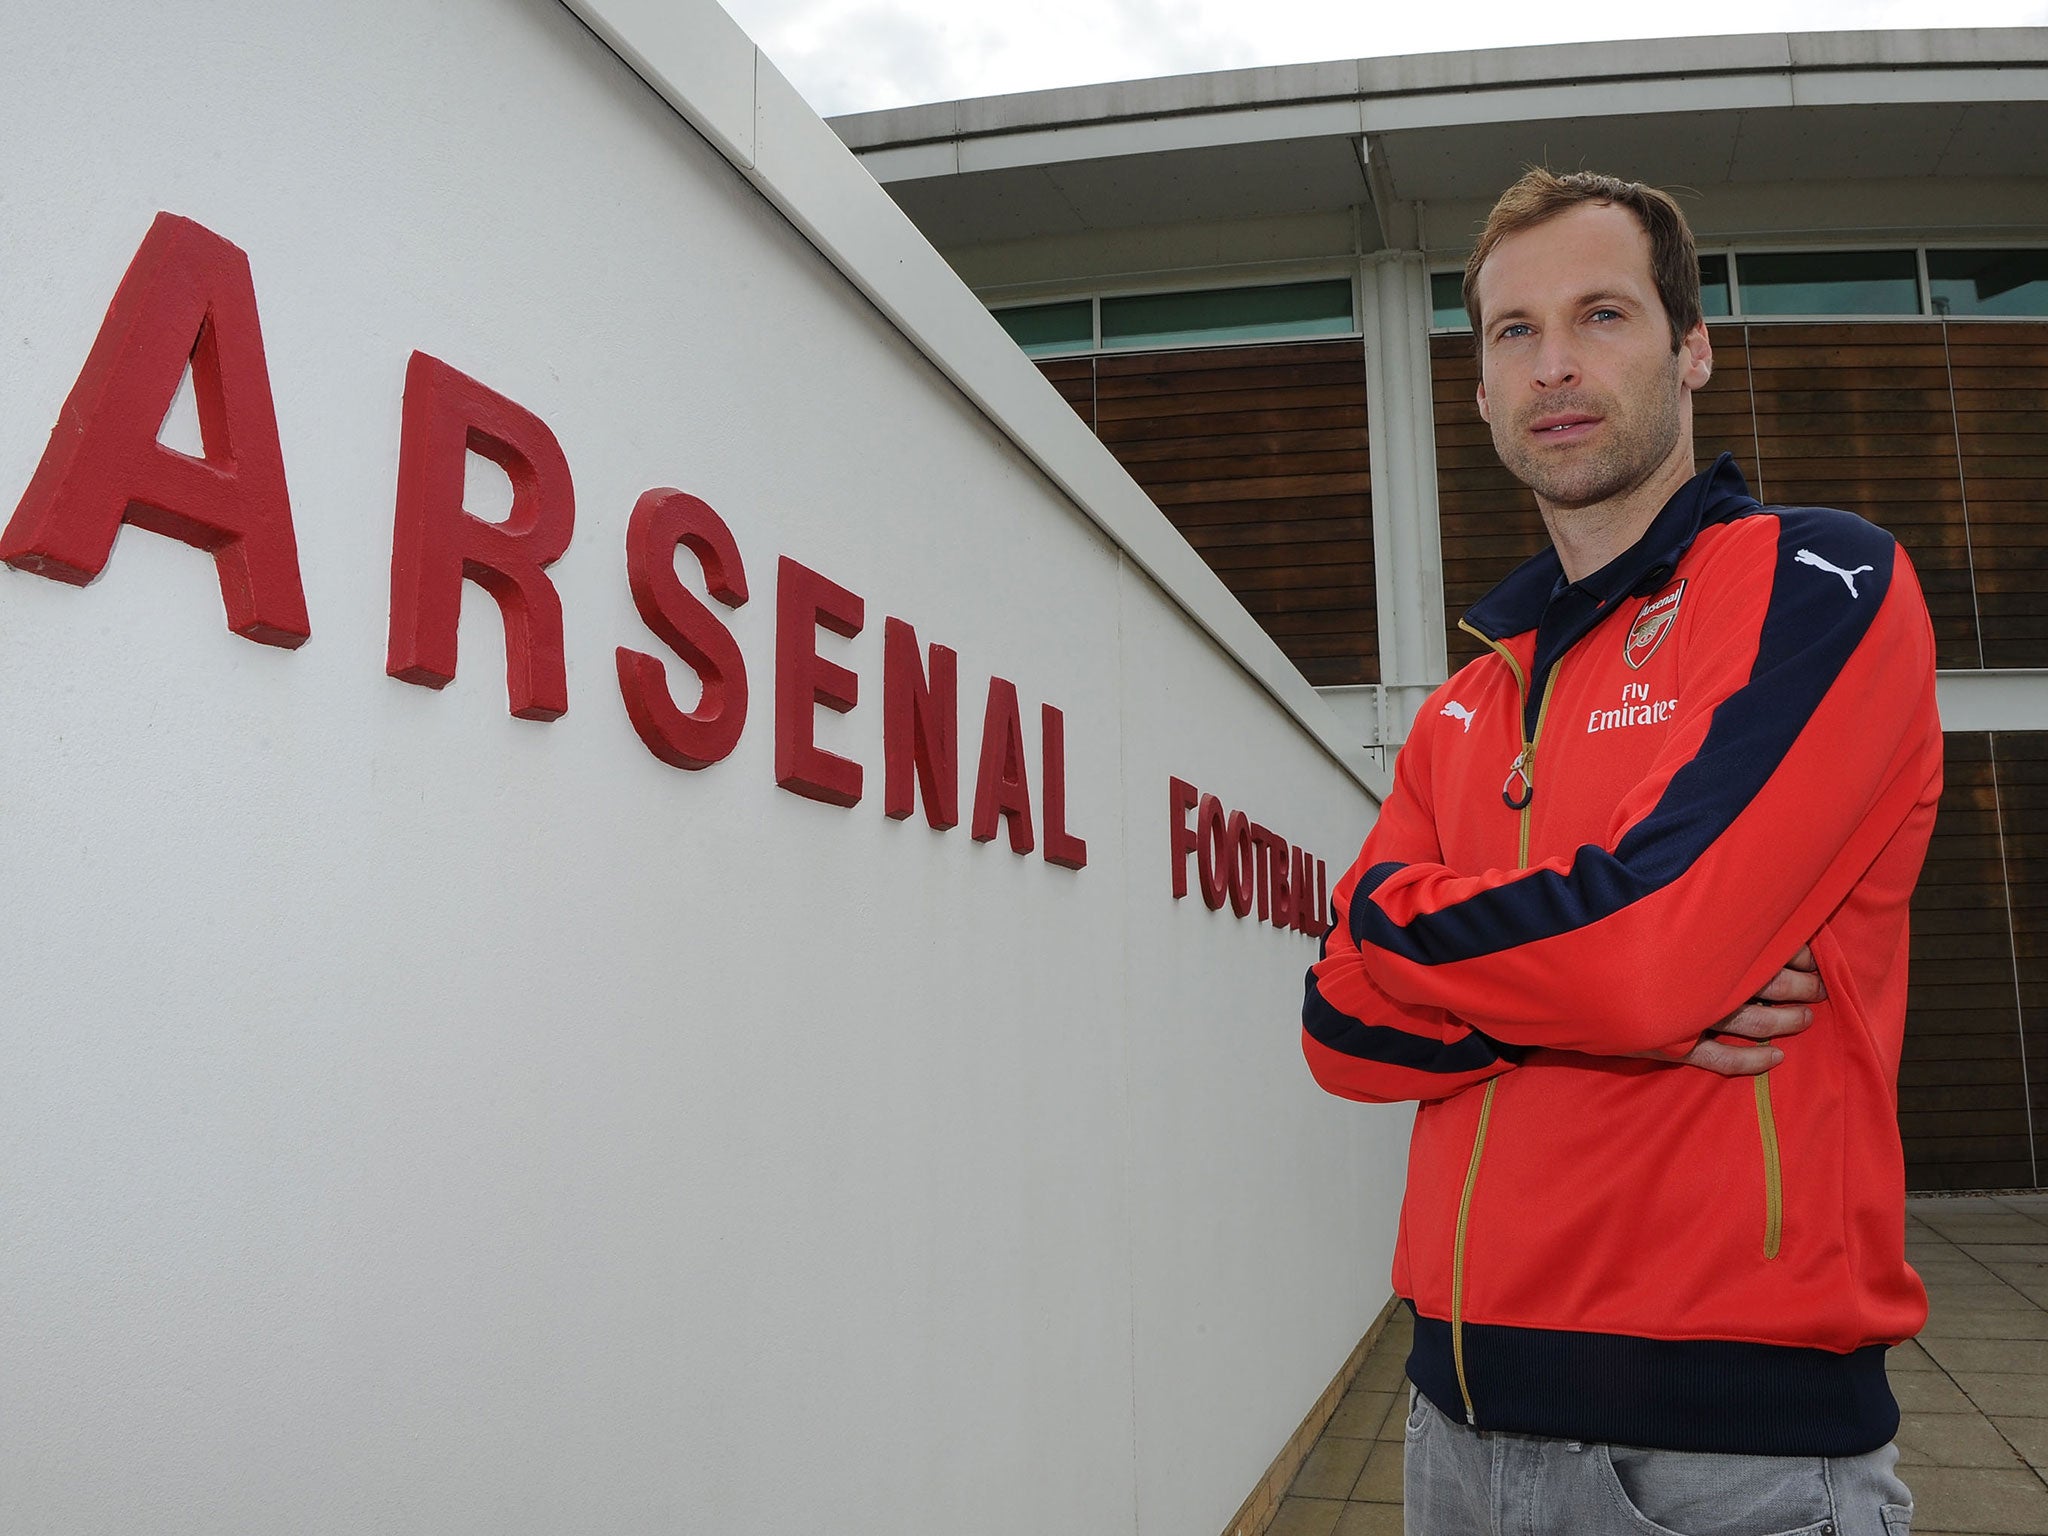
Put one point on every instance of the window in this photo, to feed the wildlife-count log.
(1738, 285)
(1714, 286)
(1447, 302)
(1829, 282)
(1447, 295)
(1228, 314)
(1988, 282)
(1043, 328)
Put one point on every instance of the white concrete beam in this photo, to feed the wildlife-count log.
(1407, 541)
(2002, 699)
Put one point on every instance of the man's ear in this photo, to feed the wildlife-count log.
(1696, 357)
(1482, 404)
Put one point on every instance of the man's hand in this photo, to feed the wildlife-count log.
(1780, 1010)
(1777, 1012)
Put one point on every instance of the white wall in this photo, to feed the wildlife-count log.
(417, 1119)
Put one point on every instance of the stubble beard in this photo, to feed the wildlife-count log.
(1635, 444)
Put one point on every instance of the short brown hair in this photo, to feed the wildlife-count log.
(1542, 195)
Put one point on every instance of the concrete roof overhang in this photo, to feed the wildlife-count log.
(1387, 135)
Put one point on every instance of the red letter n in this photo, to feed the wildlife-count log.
(435, 543)
(663, 519)
(187, 297)
(920, 728)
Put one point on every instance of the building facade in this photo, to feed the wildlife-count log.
(1248, 285)
(613, 820)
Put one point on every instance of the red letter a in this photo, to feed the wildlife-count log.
(187, 297)
(435, 543)
(1000, 788)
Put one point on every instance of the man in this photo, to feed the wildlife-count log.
(1632, 928)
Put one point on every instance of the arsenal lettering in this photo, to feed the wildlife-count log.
(188, 300)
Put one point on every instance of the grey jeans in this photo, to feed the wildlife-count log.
(1467, 1482)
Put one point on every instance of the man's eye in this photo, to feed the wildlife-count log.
(1510, 332)
(1605, 313)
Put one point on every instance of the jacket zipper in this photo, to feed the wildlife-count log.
(1774, 1177)
(1524, 770)
(1458, 1255)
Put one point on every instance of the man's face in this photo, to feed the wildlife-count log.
(1578, 381)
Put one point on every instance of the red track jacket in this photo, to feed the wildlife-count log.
(1603, 837)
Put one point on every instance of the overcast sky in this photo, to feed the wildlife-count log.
(855, 55)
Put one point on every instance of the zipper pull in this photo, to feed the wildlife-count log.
(1521, 768)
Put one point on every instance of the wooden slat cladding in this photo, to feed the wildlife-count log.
(1857, 416)
(2022, 759)
(1963, 1112)
(1489, 521)
(1937, 431)
(1259, 456)
(2000, 373)
(1723, 416)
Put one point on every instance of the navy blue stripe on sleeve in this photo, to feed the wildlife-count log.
(1393, 1047)
(1833, 573)
(1374, 878)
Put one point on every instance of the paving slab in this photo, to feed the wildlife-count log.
(2008, 1355)
(1380, 1482)
(1385, 1370)
(2019, 1320)
(1359, 1414)
(2029, 1437)
(1992, 1255)
(1931, 1392)
(1981, 1500)
(1909, 1356)
(1369, 1520)
(1306, 1517)
(1994, 1394)
(1331, 1468)
(1953, 1440)
(1394, 1426)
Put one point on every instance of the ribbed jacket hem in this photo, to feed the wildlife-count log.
(1673, 1394)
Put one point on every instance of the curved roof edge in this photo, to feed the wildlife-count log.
(1475, 71)
(696, 58)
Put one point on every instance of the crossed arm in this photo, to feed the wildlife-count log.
(1740, 1045)
(1806, 742)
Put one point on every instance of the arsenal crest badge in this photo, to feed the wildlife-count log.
(1652, 623)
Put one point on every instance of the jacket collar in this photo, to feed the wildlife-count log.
(1520, 603)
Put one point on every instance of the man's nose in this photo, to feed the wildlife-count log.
(1557, 366)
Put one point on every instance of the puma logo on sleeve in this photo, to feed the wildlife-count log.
(1808, 557)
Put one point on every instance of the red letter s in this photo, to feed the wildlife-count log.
(661, 520)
